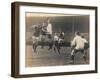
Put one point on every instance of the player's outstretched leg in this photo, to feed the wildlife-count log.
(54, 49)
(72, 56)
(84, 56)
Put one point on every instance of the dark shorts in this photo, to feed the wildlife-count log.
(86, 46)
(56, 43)
(80, 50)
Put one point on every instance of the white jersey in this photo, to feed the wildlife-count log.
(78, 42)
(49, 28)
(84, 40)
(56, 38)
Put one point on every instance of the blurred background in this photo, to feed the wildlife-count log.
(68, 24)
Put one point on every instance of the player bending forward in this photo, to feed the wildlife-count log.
(78, 45)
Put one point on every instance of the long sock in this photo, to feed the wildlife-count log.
(72, 57)
(84, 58)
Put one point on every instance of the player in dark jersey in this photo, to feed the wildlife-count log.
(43, 34)
(86, 46)
(35, 37)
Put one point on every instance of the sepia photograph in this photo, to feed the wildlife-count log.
(56, 39)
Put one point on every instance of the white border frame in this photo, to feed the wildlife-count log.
(55, 69)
